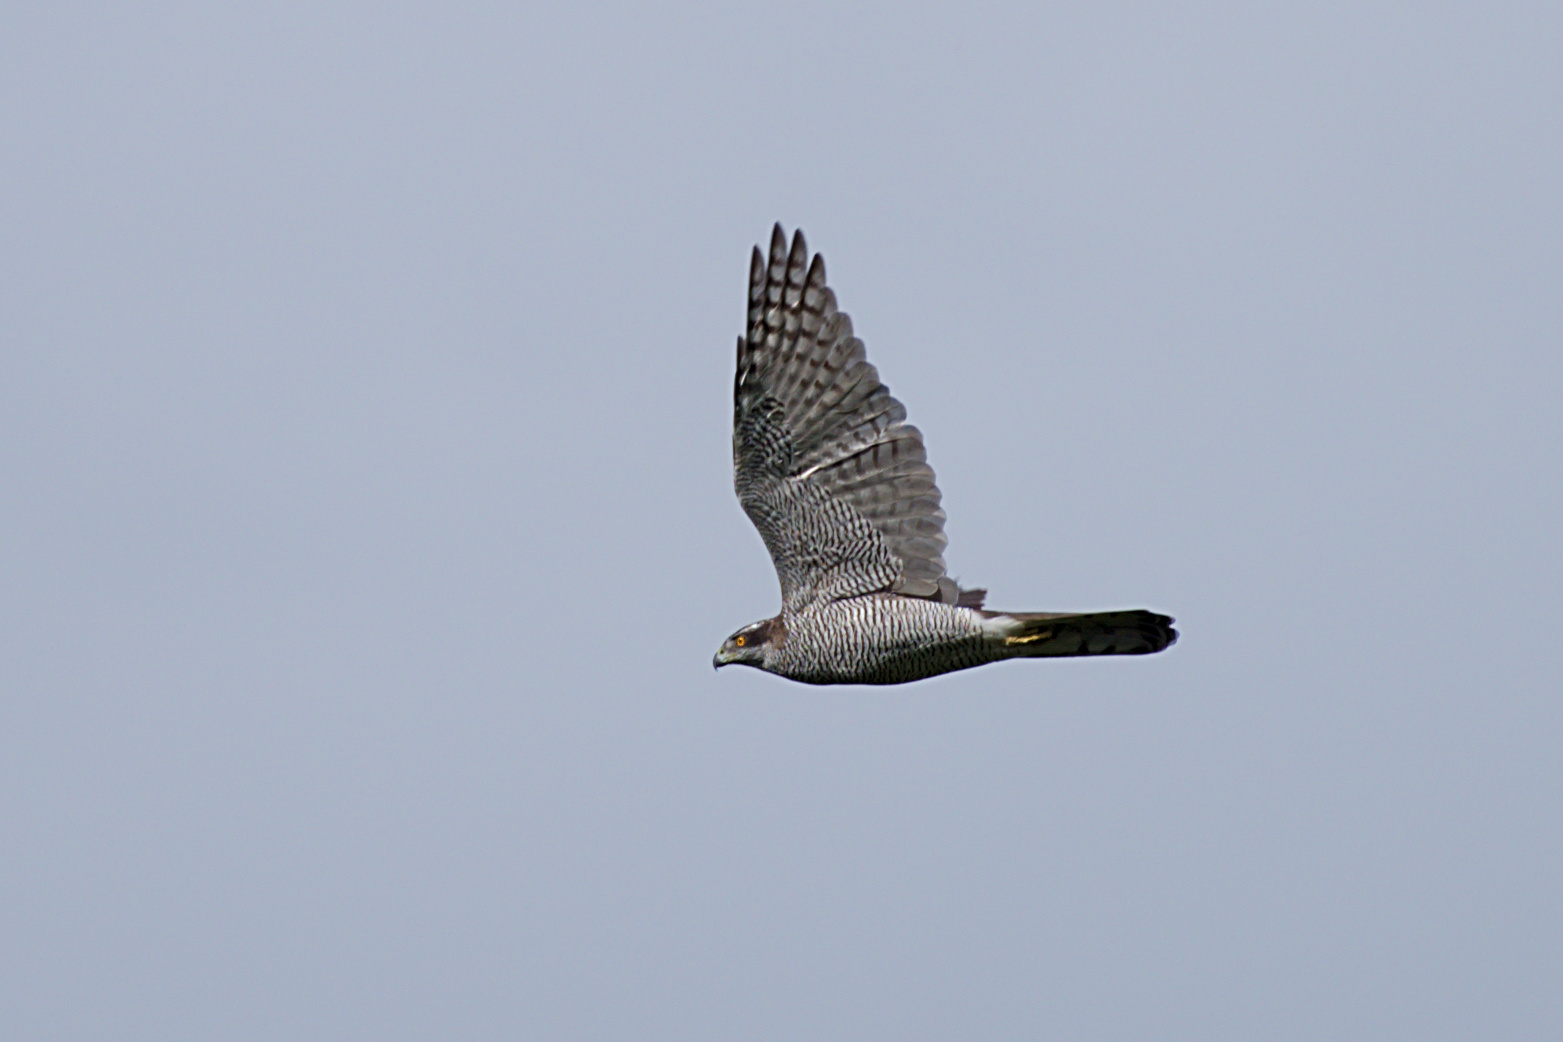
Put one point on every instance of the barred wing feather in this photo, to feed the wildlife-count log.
(824, 463)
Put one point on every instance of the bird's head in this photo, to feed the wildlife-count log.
(752, 645)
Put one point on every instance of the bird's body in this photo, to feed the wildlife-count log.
(840, 489)
(888, 638)
(878, 638)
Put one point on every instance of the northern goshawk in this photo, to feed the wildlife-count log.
(840, 488)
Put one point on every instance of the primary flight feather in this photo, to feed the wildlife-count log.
(839, 486)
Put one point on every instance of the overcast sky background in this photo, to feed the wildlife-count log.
(366, 526)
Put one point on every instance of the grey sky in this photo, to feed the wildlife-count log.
(366, 525)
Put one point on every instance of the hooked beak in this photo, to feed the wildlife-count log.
(719, 660)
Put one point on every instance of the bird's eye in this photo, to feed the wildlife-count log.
(740, 641)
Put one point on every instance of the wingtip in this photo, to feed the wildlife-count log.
(816, 275)
(756, 276)
(800, 251)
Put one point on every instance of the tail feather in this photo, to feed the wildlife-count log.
(1048, 634)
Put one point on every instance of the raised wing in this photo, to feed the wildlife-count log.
(824, 464)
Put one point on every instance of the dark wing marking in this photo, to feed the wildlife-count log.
(824, 464)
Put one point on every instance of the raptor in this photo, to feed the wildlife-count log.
(839, 485)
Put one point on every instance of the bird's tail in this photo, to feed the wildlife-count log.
(1045, 634)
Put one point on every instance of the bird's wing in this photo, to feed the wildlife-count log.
(823, 461)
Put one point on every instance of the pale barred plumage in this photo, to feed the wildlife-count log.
(841, 491)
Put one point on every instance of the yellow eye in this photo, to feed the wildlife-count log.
(740, 641)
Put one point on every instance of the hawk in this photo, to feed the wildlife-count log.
(838, 484)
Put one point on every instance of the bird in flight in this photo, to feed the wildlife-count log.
(839, 485)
